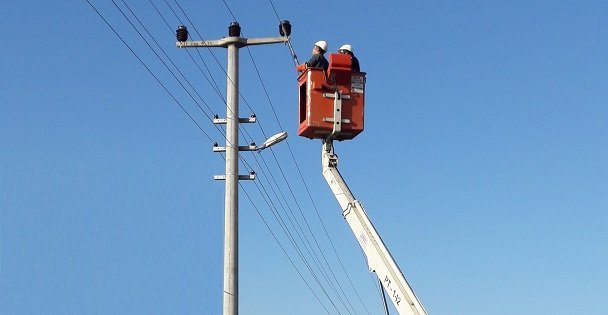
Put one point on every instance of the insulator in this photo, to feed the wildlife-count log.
(285, 28)
(234, 30)
(181, 34)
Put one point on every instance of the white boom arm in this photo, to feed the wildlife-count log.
(379, 259)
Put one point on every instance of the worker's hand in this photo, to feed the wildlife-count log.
(301, 67)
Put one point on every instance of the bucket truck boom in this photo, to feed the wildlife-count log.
(379, 258)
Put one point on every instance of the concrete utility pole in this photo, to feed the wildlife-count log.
(233, 43)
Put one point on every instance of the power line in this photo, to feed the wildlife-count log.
(227, 7)
(282, 248)
(214, 57)
(305, 241)
(165, 64)
(209, 77)
(149, 71)
(162, 61)
(279, 219)
(166, 56)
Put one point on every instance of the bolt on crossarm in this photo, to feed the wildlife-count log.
(233, 43)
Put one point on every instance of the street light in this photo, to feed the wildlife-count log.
(273, 140)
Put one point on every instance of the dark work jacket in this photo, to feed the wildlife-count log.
(318, 61)
(355, 64)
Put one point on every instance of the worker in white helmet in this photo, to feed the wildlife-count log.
(348, 49)
(318, 59)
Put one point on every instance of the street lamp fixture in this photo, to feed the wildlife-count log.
(273, 140)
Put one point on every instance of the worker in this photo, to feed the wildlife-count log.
(348, 49)
(318, 59)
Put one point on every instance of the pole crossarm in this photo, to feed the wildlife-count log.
(232, 40)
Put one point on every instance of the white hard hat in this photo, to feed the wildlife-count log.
(322, 44)
(347, 47)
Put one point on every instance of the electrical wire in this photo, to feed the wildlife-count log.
(282, 248)
(162, 61)
(209, 77)
(307, 246)
(166, 66)
(177, 102)
(244, 130)
(168, 58)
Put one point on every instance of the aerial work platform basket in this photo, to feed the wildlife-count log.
(331, 105)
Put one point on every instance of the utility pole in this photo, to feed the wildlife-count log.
(233, 43)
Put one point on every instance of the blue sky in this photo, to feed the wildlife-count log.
(483, 163)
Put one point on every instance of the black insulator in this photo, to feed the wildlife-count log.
(234, 30)
(285, 28)
(181, 34)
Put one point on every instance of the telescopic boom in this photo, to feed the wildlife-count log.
(379, 258)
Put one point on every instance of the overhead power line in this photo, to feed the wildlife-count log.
(177, 102)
